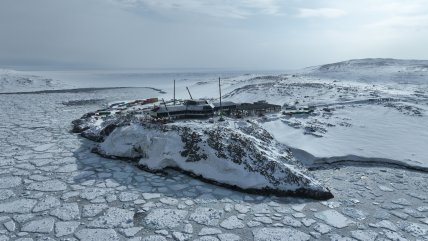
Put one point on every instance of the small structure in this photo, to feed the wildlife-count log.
(294, 110)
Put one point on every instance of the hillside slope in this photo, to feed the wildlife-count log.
(374, 70)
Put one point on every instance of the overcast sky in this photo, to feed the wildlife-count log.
(232, 34)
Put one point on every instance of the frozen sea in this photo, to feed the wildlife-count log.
(52, 187)
(158, 78)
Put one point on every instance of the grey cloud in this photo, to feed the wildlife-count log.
(264, 34)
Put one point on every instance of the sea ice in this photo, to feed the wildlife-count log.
(97, 234)
(44, 225)
(9, 182)
(48, 186)
(165, 218)
(228, 237)
(206, 216)
(65, 228)
(67, 212)
(114, 217)
(333, 218)
(47, 203)
(209, 231)
(232, 222)
(18, 206)
(364, 235)
(279, 234)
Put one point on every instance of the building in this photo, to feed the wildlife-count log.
(188, 109)
(258, 108)
(294, 110)
(202, 109)
(226, 106)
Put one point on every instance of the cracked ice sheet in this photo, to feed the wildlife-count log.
(333, 218)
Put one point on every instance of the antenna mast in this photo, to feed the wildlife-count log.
(219, 89)
(189, 93)
(174, 92)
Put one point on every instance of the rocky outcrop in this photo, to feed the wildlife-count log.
(95, 127)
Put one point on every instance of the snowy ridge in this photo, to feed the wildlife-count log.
(374, 70)
(356, 64)
(17, 81)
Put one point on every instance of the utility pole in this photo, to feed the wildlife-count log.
(174, 92)
(189, 93)
(221, 107)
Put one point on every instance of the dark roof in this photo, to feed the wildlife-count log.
(183, 108)
(195, 102)
(224, 104)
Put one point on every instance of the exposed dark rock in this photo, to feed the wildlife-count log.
(191, 148)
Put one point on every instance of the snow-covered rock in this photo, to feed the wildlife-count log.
(235, 153)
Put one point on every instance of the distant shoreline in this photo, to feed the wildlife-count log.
(78, 90)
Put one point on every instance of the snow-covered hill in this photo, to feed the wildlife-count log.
(18, 81)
